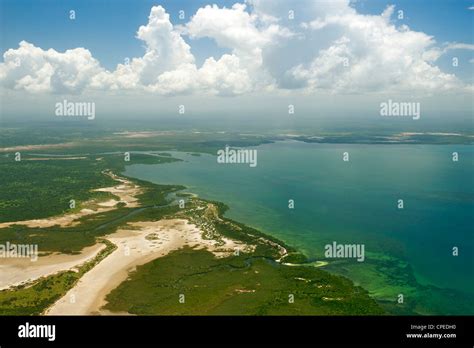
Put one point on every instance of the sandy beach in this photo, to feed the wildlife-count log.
(17, 271)
(137, 244)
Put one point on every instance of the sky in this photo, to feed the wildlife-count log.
(340, 56)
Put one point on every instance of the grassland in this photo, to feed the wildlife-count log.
(33, 189)
(239, 285)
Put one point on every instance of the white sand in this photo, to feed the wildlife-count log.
(35, 147)
(16, 271)
(142, 244)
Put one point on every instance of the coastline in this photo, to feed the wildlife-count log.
(389, 270)
(110, 271)
(155, 199)
(145, 241)
(142, 243)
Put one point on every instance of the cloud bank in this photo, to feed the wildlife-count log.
(310, 46)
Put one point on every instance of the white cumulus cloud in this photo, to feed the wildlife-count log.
(322, 46)
(371, 54)
(33, 69)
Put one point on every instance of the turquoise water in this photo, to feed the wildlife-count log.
(350, 202)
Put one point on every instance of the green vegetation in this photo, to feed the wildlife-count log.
(141, 158)
(73, 239)
(99, 139)
(34, 189)
(239, 285)
(47, 198)
(33, 299)
(251, 282)
(248, 283)
(183, 194)
(295, 258)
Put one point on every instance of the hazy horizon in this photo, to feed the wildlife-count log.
(249, 61)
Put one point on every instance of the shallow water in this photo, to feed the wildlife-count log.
(351, 202)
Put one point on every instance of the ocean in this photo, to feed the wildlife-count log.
(408, 251)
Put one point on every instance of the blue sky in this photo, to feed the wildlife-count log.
(108, 27)
(333, 54)
(446, 20)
